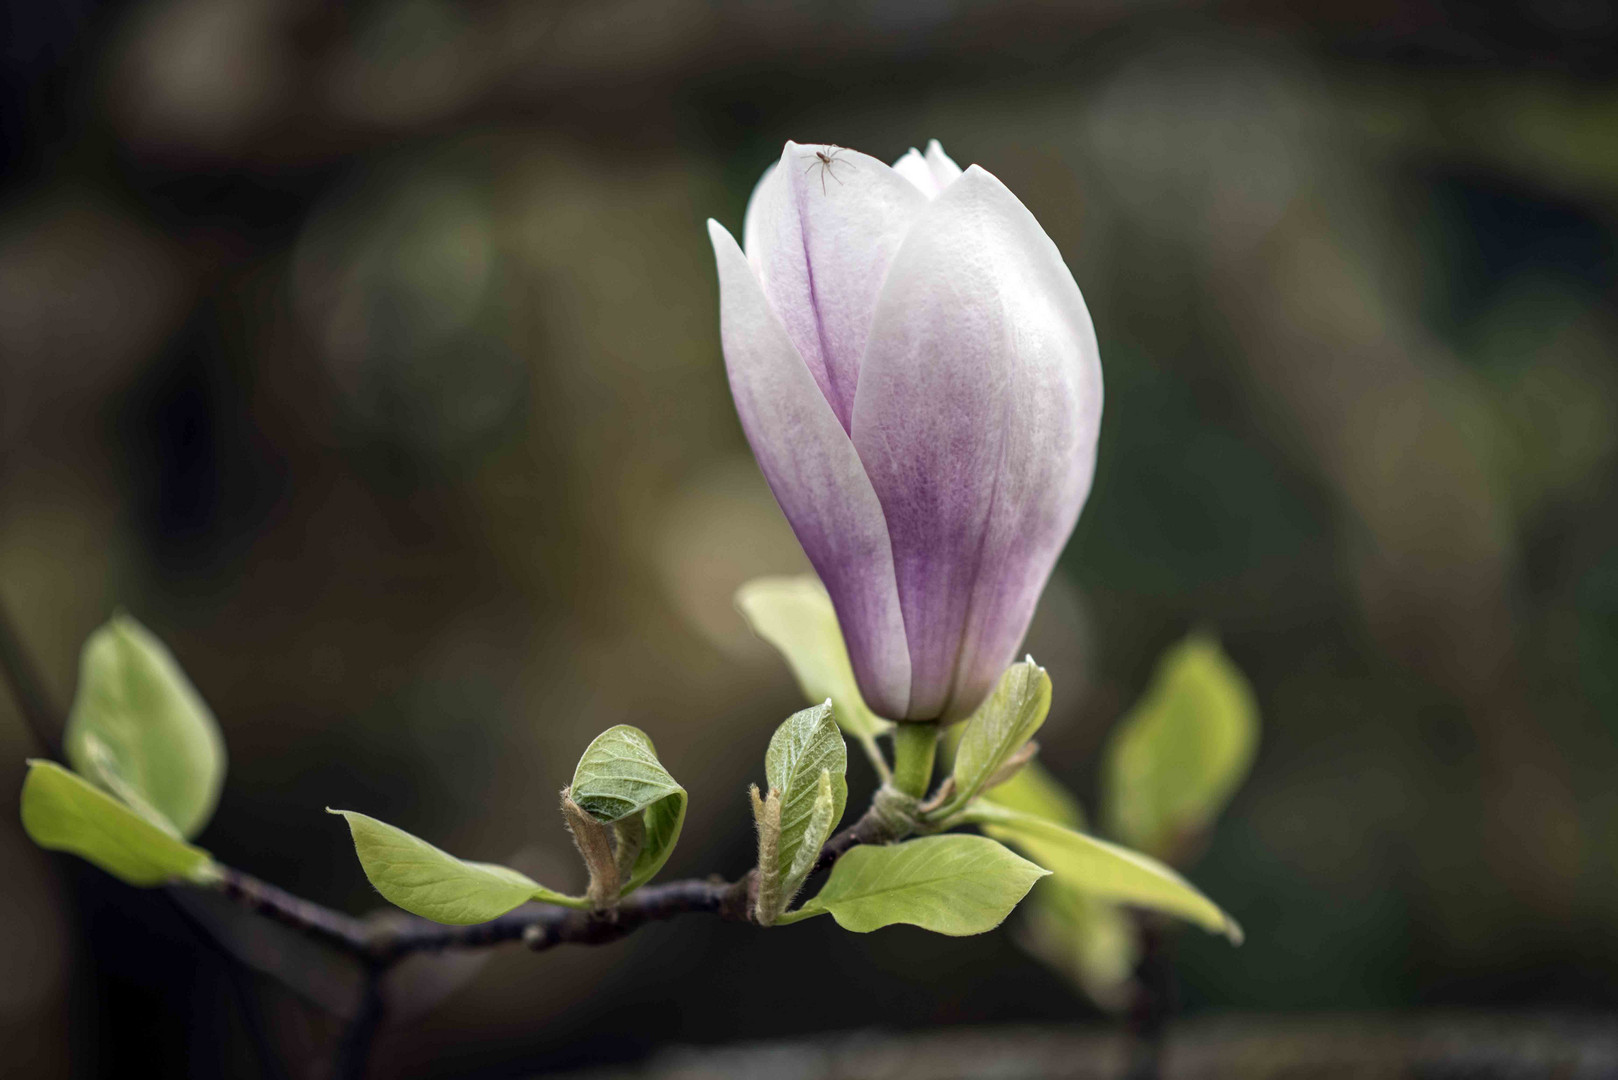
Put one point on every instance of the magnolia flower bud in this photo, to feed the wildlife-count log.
(919, 380)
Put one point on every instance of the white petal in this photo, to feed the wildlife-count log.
(810, 464)
(821, 232)
(978, 409)
(943, 168)
(913, 167)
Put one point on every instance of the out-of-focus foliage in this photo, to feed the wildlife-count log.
(370, 355)
(796, 616)
(1177, 758)
(1103, 870)
(1093, 942)
(139, 729)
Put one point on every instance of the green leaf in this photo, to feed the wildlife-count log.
(1102, 870)
(955, 885)
(805, 746)
(1174, 762)
(620, 775)
(412, 874)
(139, 729)
(62, 811)
(1000, 727)
(796, 616)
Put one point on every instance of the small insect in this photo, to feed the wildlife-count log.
(826, 163)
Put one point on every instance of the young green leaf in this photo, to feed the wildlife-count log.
(955, 885)
(412, 874)
(822, 819)
(807, 745)
(1105, 871)
(1175, 761)
(796, 616)
(1000, 727)
(62, 811)
(139, 729)
(620, 775)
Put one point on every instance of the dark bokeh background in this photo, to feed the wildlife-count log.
(369, 354)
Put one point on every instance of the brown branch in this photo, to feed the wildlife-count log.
(539, 926)
(379, 944)
(345, 932)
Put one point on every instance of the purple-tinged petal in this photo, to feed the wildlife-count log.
(821, 229)
(810, 464)
(977, 415)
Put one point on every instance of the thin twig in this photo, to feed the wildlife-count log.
(539, 926)
(1156, 999)
(27, 688)
(873, 754)
(241, 988)
(347, 933)
(354, 1049)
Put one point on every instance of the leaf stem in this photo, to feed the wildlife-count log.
(915, 745)
(873, 752)
(354, 1049)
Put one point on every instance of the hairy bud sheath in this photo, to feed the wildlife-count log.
(594, 841)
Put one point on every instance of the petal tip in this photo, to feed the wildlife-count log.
(719, 235)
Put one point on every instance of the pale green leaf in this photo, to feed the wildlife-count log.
(796, 616)
(1000, 727)
(1174, 762)
(423, 880)
(1102, 870)
(619, 775)
(805, 746)
(955, 885)
(62, 811)
(1035, 791)
(139, 729)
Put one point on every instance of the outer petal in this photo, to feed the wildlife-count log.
(817, 478)
(762, 193)
(820, 234)
(978, 410)
(943, 168)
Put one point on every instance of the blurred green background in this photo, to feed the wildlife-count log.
(368, 353)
